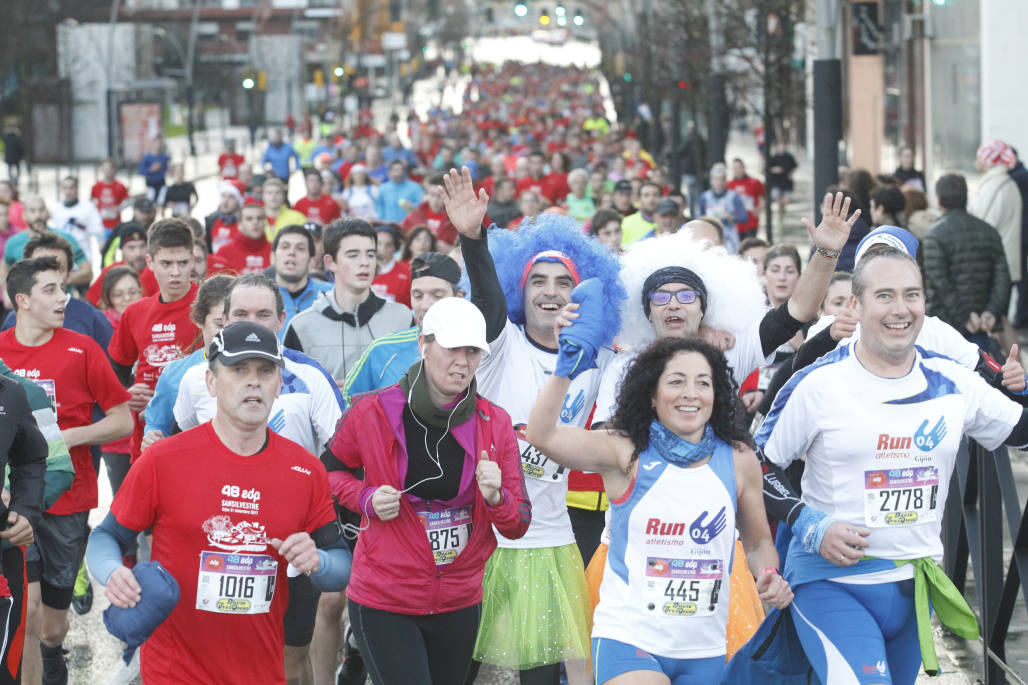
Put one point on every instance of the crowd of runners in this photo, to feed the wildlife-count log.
(508, 394)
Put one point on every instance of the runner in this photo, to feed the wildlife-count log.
(415, 599)
(867, 536)
(662, 607)
(262, 505)
(156, 330)
(75, 373)
(535, 609)
(23, 448)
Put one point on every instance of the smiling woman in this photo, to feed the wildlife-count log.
(680, 480)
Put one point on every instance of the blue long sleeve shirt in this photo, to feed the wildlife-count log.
(278, 156)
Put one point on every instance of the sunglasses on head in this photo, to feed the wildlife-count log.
(662, 297)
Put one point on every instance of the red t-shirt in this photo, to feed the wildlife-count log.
(437, 222)
(228, 165)
(752, 192)
(154, 334)
(394, 285)
(222, 234)
(211, 534)
(108, 198)
(557, 183)
(324, 210)
(539, 185)
(146, 281)
(75, 374)
(242, 255)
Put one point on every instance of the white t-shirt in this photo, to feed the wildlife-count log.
(306, 410)
(512, 376)
(935, 335)
(745, 356)
(880, 451)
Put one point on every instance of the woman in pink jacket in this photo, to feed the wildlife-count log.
(440, 470)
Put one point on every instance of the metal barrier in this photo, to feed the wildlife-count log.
(981, 492)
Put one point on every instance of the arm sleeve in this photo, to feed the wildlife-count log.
(486, 292)
(513, 514)
(777, 327)
(107, 543)
(159, 413)
(123, 351)
(27, 461)
(342, 459)
(184, 411)
(815, 346)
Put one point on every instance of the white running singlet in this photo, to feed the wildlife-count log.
(666, 583)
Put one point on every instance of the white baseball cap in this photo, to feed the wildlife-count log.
(455, 322)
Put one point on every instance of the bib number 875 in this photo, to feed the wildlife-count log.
(446, 538)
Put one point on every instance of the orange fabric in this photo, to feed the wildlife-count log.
(745, 613)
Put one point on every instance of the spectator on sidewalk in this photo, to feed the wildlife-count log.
(14, 154)
(9, 194)
(109, 195)
(277, 156)
(725, 205)
(153, 167)
(398, 195)
(779, 176)
(691, 163)
(888, 207)
(967, 282)
(920, 217)
(1020, 176)
(906, 173)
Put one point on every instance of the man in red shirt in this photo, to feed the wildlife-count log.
(230, 161)
(317, 206)
(432, 213)
(751, 191)
(260, 512)
(535, 180)
(250, 251)
(392, 282)
(75, 373)
(157, 330)
(132, 237)
(222, 225)
(109, 195)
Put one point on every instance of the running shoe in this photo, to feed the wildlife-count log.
(351, 671)
(82, 594)
(55, 665)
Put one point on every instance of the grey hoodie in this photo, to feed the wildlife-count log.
(336, 338)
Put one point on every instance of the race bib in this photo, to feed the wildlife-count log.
(236, 583)
(448, 532)
(683, 587)
(901, 497)
(535, 464)
(49, 386)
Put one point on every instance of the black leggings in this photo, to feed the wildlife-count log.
(541, 675)
(415, 650)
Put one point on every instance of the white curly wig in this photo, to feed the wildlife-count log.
(735, 296)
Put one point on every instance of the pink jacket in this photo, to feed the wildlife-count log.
(393, 566)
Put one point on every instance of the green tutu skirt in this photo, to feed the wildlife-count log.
(535, 608)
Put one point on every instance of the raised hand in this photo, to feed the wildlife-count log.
(1013, 372)
(465, 209)
(833, 231)
(845, 324)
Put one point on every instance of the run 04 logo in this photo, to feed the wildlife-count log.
(926, 438)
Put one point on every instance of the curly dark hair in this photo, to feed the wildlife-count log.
(635, 410)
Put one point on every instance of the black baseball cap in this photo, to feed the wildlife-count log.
(623, 186)
(144, 205)
(131, 230)
(245, 340)
(435, 264)
(667, 206)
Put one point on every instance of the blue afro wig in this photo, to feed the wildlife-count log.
(511, 251)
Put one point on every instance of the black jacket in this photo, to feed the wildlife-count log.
(965, 269)
(24, 449)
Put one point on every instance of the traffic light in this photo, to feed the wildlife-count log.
(560, 11)
(338, 71)
(579, 18)
(394, 10)
(520, 9)
(682, 85)
(628, 78)
(544, 17)
(319, 78)
(248, 79)
(489, 15)
(262, 80)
